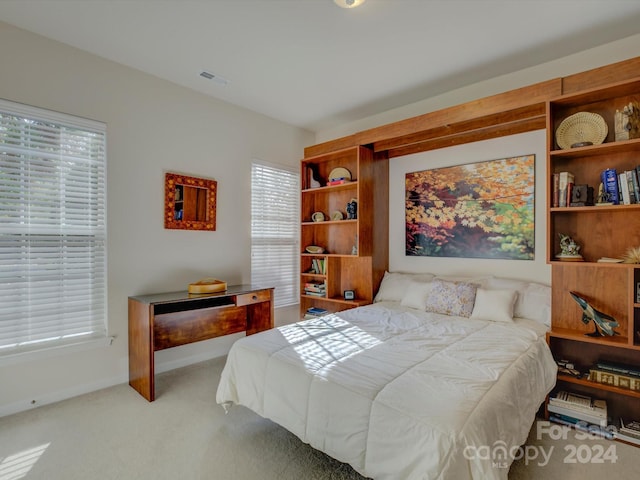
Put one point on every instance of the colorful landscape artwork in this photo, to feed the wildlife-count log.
(477, 210)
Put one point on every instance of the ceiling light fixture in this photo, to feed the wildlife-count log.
(349, 3)
(214, 78)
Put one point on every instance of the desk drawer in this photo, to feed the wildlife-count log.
(179, 328)
(253, 297)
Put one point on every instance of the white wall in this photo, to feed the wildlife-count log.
(512, 146)
(586, 60)
(153, 126)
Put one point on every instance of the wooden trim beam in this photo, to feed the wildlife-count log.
(477, 135)
(505, 118)
(493, 107)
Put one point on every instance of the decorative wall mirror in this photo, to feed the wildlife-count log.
(189, 202)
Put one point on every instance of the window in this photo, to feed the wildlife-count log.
(275, 194)
(52, 229)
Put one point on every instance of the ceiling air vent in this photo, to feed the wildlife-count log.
(214, 78)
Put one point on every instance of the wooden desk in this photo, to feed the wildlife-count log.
(166, 320)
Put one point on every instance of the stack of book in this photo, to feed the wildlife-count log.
(616, 374)
(629, 431)
(572, 406)
(314, 312)
(315, 289)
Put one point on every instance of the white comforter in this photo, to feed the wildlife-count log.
(395, 392)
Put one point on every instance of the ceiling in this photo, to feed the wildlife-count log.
(314, 65)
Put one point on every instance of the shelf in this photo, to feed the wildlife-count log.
(345, 186)
(333, 255)
(594, 264)
(579, 336)
(333, 222)
(354, 303)
(599, 386)
(595, 209)
(318, 276)
(596, 150)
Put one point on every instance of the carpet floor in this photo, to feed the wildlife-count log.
(115, 434)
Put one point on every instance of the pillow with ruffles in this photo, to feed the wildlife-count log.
(451, 298)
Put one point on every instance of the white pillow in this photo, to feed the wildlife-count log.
(480, 280)
(395, 284)
(494, 305)
(535, 304)
(534, 299)
(416, 295)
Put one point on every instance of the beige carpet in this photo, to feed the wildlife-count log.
(116, 434)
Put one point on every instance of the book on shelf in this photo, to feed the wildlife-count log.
(630, 426)
(617, 367)
(631, 174)
(566, 181)
(556, 185)
(625, 196)
(580, 407)
(601, 430)
(319, 266)
(609, 260)
(615, 379)
(316, 311)
(338, 181)
(629, 431)
(609, 178)
(627, 438)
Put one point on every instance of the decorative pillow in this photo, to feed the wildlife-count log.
(451, 298)
(394, 285)
(416, 295)
(494, 305)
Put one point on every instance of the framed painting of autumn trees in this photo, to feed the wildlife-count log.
(477, 210)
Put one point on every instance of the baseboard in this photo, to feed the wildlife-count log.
(57, 396)
(215, 350)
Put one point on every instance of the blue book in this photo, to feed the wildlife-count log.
(609, 179)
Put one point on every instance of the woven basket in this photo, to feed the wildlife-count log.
(581, 127)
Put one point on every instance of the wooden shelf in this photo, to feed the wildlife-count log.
(363, 271)
(602, 231)
(599, 386)
(579, 336)
(345, 186)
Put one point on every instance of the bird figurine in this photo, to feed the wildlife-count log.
(604, 324)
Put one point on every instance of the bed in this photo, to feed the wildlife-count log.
(403, 389)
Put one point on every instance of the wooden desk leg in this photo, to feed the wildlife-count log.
(141, 368)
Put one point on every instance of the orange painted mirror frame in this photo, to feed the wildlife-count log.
(189, 202)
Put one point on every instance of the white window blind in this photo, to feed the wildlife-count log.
(275, 193)
(52, 229)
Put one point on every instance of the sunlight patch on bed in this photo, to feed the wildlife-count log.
(18, 465)
(329, 339)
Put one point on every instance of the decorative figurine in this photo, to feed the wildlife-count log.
(603, 323)
(569, 249)
(581, 196)
(603, 196)
(352, 209)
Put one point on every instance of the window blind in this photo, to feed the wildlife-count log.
(52, 229)
(275, 193)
